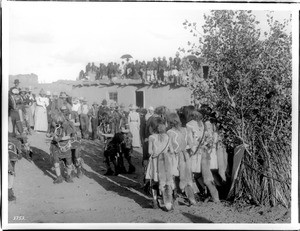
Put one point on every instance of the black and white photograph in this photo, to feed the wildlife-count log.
(150, 115)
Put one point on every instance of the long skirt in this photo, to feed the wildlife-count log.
(196, 162)
(213, 159)
(175, 167)
(160, 170)
(40, 119)
(222, 160)
(185, 170)
(135, 131)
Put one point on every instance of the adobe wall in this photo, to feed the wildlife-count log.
(172, 98)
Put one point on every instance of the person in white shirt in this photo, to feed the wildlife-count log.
(40, 117)
(75, 108)
(149, 113)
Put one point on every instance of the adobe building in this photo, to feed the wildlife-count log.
(126, 91)
(134, 92)
(129, 91)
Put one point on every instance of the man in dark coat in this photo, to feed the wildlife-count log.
(13, 110)
(154, 67)
(24, 108)
(93, 113)
(16, 85)
(87, 68)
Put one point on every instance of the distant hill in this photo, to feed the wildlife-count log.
(25, 80)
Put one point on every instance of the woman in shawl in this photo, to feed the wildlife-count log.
(214, 155)
(134, 126)
(196, 131)
(202, 136)
(159, 170)
(181, 162)
(40, 116)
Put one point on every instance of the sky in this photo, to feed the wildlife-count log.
(56, 40)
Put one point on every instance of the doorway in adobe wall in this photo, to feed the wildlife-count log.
(139, 98)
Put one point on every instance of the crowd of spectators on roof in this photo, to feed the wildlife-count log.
(161, 71)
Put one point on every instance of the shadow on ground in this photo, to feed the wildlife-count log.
(93, 158)
(196, 219)
(42, 160)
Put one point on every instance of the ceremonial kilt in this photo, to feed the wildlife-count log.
(58, 154)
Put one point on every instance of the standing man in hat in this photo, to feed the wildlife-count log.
(115, 118)
(126, 150)
(75, 107)
(50, 99)
(13, 111)
(84, 118)
(123, 116)
(75, 116)
(93, 113)
(62, 101)
(177, 64)
(103, 107)
(40, 117)
(54, 110)
(20, 105)
(16, 85)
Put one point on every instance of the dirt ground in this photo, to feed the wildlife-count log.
(96, 198)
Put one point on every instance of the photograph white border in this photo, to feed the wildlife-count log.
(294, 225)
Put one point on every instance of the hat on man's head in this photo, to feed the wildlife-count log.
(42, 92)
(104, 102)
(151, 108)
(48, 93)
(134, 107)
(122, 105)
(80, 98)
(63, 95)
(23, 89)
(16, 81)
